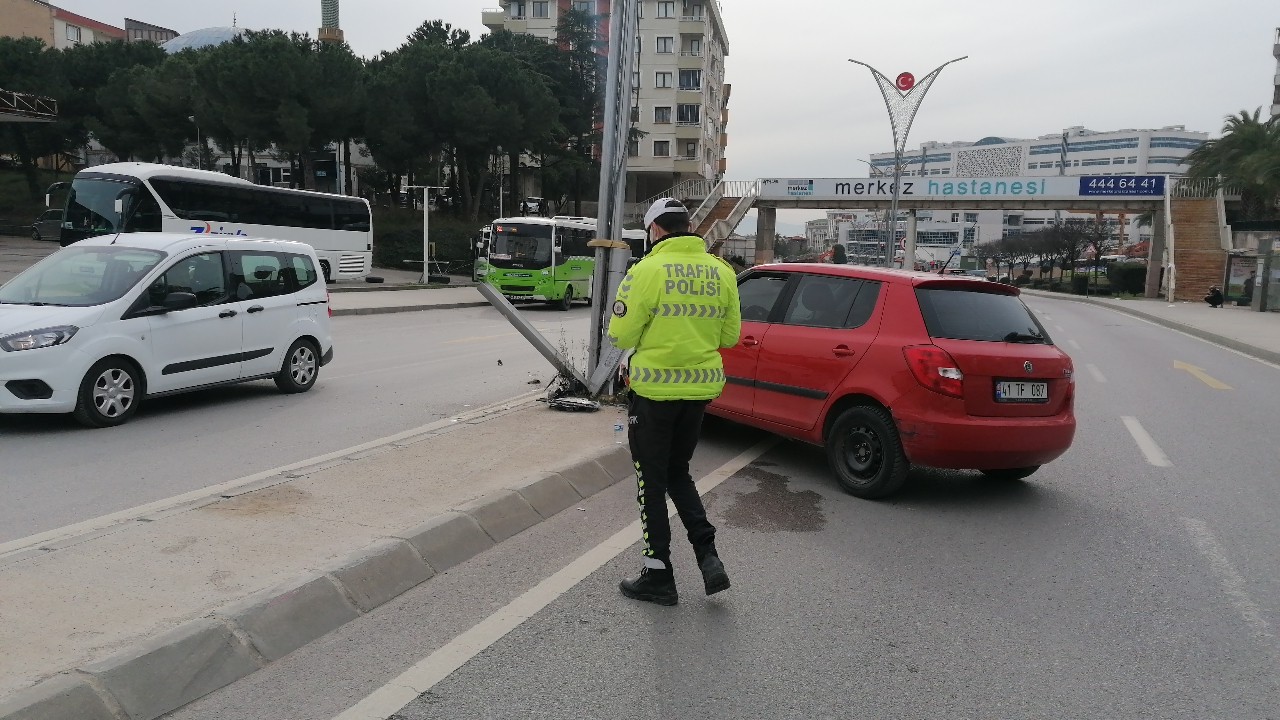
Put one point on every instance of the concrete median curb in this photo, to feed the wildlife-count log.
(405, 308)
(1246, 348)
(168, 671)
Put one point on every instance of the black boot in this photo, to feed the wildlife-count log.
(655, 586)
(713, 575)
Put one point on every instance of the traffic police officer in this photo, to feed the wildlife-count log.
(675, 308)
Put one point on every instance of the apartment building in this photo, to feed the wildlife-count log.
(681, 104)
(56, 27)
(138, 31)
(1275, 99)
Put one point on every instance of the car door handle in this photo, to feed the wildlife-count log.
(256, 308)
(227, 313)
(842, 351)
(749, 341)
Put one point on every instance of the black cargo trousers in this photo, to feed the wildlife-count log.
(663, 435)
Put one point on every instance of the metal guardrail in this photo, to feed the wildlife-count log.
(1185, 187)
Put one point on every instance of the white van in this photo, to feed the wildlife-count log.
(97, 326)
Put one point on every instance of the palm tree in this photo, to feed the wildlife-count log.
(1247, 155)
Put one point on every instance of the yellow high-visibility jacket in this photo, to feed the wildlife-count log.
(677, 307)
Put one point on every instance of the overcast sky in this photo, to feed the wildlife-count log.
(799, 109)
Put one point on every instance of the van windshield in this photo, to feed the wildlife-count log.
(81, 276)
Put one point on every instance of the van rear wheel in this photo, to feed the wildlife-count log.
(300, 369)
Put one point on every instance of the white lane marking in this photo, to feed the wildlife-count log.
(405, 688)
(1058, 327)
(1232, 582)
(1096, 373)
(1146, 443)
(213, 491)
(1073, 343)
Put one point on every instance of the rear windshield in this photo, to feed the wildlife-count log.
(970, 315)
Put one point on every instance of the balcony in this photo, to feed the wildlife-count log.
(693, 25)
(724, 165)
(724, 140)
(728, 90)
(689, 130)
(691, 61)
(688, 164)
(685, 96)
(494, 18)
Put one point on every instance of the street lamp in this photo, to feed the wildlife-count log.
(426, 215)
(902, 98)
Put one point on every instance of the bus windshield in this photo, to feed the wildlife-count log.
(92, 209)
(517, 245)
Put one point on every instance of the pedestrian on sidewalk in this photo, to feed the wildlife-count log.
(1214, 297)
(676, 308)
(1249, 283)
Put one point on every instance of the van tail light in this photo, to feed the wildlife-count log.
(327, 306)
(935, 369)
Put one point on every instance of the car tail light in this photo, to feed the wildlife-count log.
(935, 369)
(327, 306)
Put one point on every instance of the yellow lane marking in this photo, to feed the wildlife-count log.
(1201, 375)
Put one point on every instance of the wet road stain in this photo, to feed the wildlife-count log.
(773, 507)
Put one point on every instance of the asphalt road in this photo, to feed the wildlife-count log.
(390, 373)
(1136, 577)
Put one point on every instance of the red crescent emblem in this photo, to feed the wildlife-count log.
(208, 229)
(905, 81)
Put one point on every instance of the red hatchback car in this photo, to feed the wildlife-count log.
(891, 368)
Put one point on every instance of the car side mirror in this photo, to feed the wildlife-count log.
(179, 301)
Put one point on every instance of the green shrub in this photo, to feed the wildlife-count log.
(1055, 286)
(1080, 284)
(397, 237)
(1128, 277)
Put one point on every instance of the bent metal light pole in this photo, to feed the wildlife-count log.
(902, 98)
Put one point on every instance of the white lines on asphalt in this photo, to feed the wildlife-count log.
(1073, 343)
(1146, 443)
(1058, 327)
(1096, 373)
(1232, 583)
(88, 527)
(404, 689)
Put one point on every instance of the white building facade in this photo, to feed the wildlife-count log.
(1075, 151)
(682, 99)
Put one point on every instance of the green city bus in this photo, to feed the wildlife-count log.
(542, 259)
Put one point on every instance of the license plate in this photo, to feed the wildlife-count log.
(1022, 392)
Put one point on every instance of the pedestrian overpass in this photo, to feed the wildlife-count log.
(22, 107)
(1190, 216)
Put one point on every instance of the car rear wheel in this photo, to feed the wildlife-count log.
(300, 369)
(35, 235)
(866, 453)
(109, 394)
(1010, 474)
